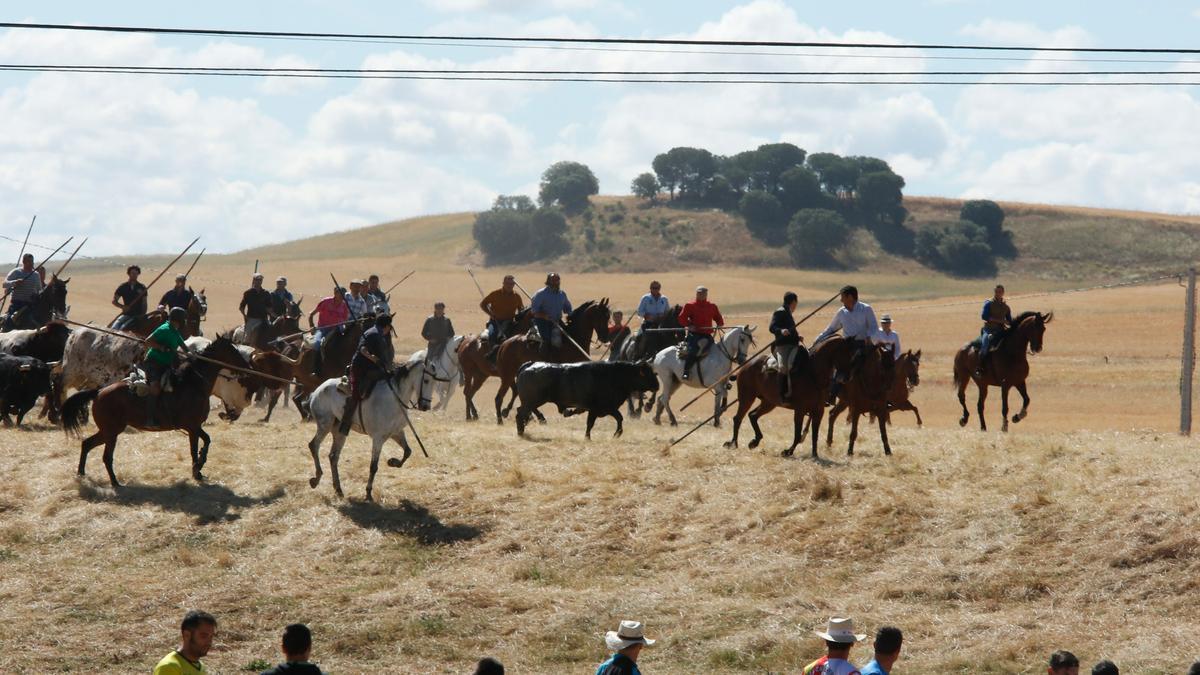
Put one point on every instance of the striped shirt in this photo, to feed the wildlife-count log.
(23, 285)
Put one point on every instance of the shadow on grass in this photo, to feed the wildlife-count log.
(209, 503)
(411, 520)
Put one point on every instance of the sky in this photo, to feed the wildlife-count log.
(145, 163)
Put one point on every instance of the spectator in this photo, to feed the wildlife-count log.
(1063, 662)
(887, 651)
(489, 666)
(296, 647)
(1105, 667)
(626, 644)
(197, 631)
(839, 637)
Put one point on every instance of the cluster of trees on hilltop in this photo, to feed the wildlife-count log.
(971, 246)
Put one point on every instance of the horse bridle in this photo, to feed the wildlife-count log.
(720, 344)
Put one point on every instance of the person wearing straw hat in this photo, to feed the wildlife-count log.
(839, 637)
(626, 644)
(888, 337)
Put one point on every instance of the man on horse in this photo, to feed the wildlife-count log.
(376, 298)
(372, 363)
(23, 284)
(281, 299)
(132, 296)
(331, 312)
(996, 318)
(437, 331)
(887, 336)
(357, 301)
(253, 307)
(164, 344)
(653, 307)
(787, 340)
(700, 317)
(501, 306)
(179, 296)
(549, 305)
(856, 320)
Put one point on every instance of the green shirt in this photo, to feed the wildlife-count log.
(175, 663)
(167, 336)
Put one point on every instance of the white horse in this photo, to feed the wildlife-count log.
(231, 386)
(712, 367)
(442, 374)
(382, 416)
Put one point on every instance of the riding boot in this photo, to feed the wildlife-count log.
(981, 368)
(687, 366)
(348, 416)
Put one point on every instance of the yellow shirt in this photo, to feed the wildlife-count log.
(175, 664)
(504, 305)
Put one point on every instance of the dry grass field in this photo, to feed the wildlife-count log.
(1077, 529)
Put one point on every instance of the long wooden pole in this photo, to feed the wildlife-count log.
(35, 268)
(63, 266)
(155, 280)
(402, 280)
(750, 359)
(1189, 357)
(26, 242)
(188, 273)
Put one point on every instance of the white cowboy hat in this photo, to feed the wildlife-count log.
(887, 318)
(841, 631)
(630, 633)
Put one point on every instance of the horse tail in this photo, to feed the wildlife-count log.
(960, 374)
(75, 410)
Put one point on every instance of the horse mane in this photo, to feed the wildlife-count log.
(579, 311)
(1017, 320)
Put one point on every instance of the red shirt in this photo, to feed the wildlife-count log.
(330, 311)
(700, 316)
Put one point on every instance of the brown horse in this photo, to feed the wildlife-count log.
(810, 388)
(337, 351)
(196, 310)
(590, 318)
(117, 408)
(1008, 366)
(475, 365)
(907, 378)
(867, 391)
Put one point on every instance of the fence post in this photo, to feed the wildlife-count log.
(1189, 357)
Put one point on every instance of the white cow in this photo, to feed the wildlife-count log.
(93, 359)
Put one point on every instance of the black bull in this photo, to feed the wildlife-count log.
(22, 380)
(600, 388)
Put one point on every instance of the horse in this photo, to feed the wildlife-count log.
(590, 318)
(810, 389)
(50, 302)
(477, 368)
(644, 346)
(116, 408)
(337, 350)
(710, 368)
(866, 392)
(197, 309)
(382, 416)
(1008, 366)
(270, 332)
(441, 374)
(908, 377)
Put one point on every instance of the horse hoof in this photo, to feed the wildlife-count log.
(753, 444)
(1017, 418)
(962, 422)
(314, 482)
(198, 476)
(674, 423)
(717, 424)
(786, 453)
(887, 451)
(729, 445)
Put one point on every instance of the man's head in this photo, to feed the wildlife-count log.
(356, 287)
(489, 666)
(886, 323)
(849, 296)
(384, 323)
(297, 642)
(439, 309)
(27, 262)
(628, 639)
(617, 317)
(655, 289)
(177, 316)
(701, 293)
(790, 301)
(839, 637)
(180, 281)
(196, 634)
(281, 283)
(509, 282)
(999, 291)
(338, 291)
(1105, 667)
(373, 282)
(888, 641)
(132, 272)
(553, 280)
(256, 281)
(1063, 662)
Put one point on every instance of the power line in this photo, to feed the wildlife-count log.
(593, 40)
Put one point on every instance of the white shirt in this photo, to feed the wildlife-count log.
(649, 306)
(858, 323)
(889, 338)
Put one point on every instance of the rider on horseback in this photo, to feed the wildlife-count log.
(787, 340)
(179, 296)
(23, 285)
(996, 317)
(160, 358)
(549, 305)
(356, 300)
(699, 317)
(372, 363)
(376, 298)
(281, 299)
(331, 312)
(437, 331)
(856, 320)
(256, 301)
(132, 295)
(501, 306)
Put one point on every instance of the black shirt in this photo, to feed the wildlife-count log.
(176, 297)
(133, 297)
(255, 302)
(280, 299)
(782, 320)
(379, 346)
(294, 668)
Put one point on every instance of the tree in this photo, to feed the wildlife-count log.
(667, 170)
(695, 168)
(568, 184)
(513, 203)
(764, 217)
(800, 189)
(546, 230)
(645, 186)
(814, 235)
(879, 196)
(770, 162)
(990, 216)
(836, 173)
(959, 248)
(515, 232)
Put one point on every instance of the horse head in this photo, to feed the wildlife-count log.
(912, 368)
(1032, 325)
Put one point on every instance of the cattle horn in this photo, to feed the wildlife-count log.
(53, 364)
(25, 368)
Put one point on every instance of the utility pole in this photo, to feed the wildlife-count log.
(1189, 357)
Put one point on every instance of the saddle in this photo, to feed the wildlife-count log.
(139, 383)
(681, 349)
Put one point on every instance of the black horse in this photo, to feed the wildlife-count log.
(51, 302)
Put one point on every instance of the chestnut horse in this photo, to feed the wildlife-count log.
(907, 378)
(117, 408)
(477, 368)
(1008, 366)
(590, 318)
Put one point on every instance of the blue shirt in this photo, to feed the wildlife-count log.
(873, 668)
(550, 302)
(618, 664)
(651, 307)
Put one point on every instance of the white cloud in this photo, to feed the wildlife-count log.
(1020, 34)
